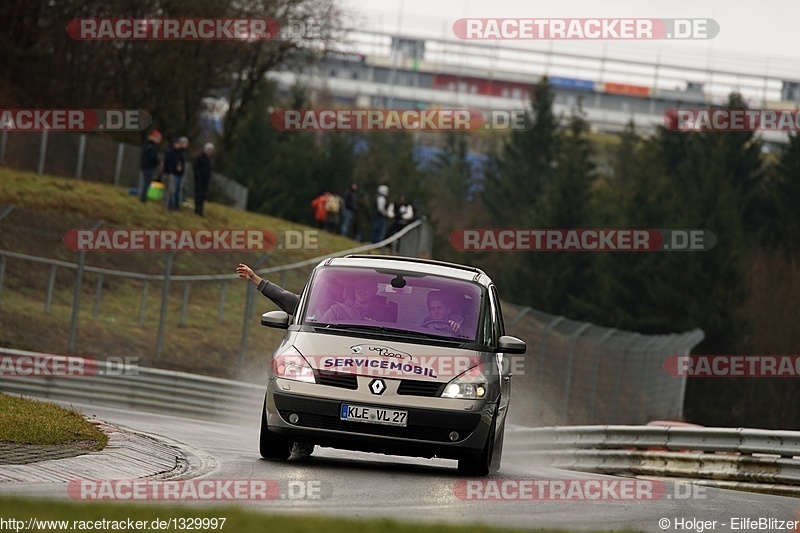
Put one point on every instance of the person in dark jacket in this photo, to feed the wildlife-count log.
(174, 167)
(350, 208)
(401, 213)
(361, 226)
(202, 177)
(148, 163)
(284, 299)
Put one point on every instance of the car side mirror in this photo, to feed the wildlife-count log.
(509, 344)
(275, 319)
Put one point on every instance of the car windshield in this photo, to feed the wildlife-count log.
(409, 302)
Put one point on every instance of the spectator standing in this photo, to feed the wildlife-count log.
(333, 212)
(202, 177)
(174, 167)
(401, 213)
(318, 208)
(363, 218)
(379, 214)
(148, 163)
(350, 208)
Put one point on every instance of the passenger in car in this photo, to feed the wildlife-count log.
(362, 304)
(284, 299)
(441, 317)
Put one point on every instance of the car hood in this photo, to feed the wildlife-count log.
(386, 358)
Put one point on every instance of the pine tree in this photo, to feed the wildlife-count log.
(566, 278)
(783, 231)
(518, 174)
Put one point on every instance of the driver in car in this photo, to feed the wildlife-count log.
(363, 304)
(441, 317)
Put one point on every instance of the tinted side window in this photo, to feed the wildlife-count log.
(491, 324)
(500, 324)
(487, 330)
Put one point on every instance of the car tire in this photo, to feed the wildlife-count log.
(480, 465)
(272, 447)
(497, 455)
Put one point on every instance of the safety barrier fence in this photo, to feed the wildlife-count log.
(581, 373)
(118, 384)
(738, 458)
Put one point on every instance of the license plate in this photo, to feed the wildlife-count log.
(373, 415)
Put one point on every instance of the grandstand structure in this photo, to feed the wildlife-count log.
(383, 70)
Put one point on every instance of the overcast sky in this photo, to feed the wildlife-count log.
(754, 34)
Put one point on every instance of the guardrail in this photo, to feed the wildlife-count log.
(133, 387)
(737, 458)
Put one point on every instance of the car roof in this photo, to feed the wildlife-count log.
(426, 266)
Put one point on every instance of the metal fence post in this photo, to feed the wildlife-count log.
(684, 351)
(76, 298)
(2, 273)
(3, 141)
(222, 300)
(97, 289)
(644, 380)
(596, 371)
(143, 303)
(684, 340)
(51, 283)
(164, 301)
(81, 154)
(570, 360)
(248, 310)
(118, 169)
(42, 152)
(537, 392)
(618, 381)
(246, 324)
(185, 302)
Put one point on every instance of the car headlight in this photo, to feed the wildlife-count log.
(292, 365)
(469, 385)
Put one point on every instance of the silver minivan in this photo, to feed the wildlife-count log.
(392, 355)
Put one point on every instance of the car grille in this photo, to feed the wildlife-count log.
(312, 420)
(344, 381)
(413, 387)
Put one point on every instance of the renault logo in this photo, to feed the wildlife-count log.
(377, 386)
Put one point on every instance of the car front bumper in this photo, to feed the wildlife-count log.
(427, 433)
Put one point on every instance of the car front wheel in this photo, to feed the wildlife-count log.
(482, 464)
(272, 447)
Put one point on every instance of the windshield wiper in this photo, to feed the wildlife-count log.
(364, 327)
